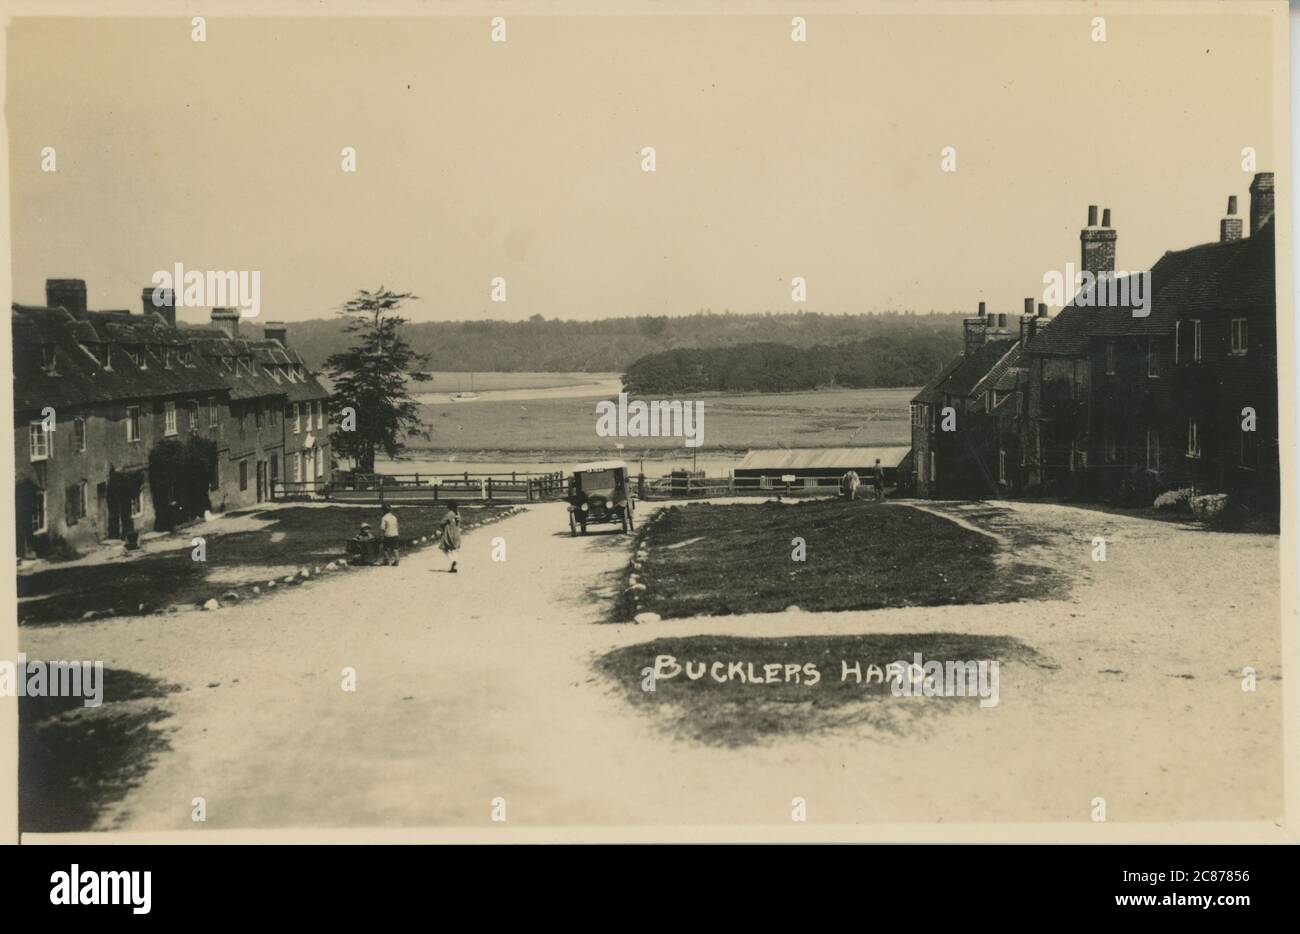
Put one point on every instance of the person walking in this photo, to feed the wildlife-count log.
(450, 531)
(851, 483)
(878, 480)
(388, 530)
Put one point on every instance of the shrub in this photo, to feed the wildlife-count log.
(1174, 501)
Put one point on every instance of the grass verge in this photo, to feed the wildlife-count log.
(703, 559)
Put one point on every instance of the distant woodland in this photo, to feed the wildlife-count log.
(874, 362)
(713, 350)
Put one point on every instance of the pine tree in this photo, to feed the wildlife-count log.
(371, 378)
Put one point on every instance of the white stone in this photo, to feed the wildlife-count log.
(212, 604)
(642, 618)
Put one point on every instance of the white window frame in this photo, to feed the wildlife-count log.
(40, 442)
(1196, 340)
(1178, 339)
(1240, 329)
(214, 413)
(134, 424)
(320, 415)
(169, 418)
(40, 499)
(297, 420)
(1193, 439)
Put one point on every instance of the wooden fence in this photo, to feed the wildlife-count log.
(419, 488)
(416, 488)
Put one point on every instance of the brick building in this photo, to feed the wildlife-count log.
(96, 393)
(1123, 406)
(1103, 402)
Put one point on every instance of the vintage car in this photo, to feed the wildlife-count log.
(598, 492)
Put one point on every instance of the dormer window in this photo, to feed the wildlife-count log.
(136, 353)
(49, 360)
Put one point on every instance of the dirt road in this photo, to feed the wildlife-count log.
(480, 685)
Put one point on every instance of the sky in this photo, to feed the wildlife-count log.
(522, 159)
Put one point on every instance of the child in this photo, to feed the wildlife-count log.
(450, 530)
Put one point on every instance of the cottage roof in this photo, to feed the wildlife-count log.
(62, 361)
(1212, 278)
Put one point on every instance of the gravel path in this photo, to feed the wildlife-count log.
(480, 685)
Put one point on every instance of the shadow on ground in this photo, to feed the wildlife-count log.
(74, 761)
(743, 711)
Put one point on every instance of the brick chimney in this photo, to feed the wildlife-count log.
(975, 330)
(1261, 201)
(276, 331)
(1230, 226)
(167, 306)
(1097, 244)
(69, 294)
(228, 320)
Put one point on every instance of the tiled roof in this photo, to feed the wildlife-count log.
(91, 363)
(994, 377)
(1210, 278)
(930, 391)
(973, 367)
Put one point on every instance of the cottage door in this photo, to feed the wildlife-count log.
(261, 481)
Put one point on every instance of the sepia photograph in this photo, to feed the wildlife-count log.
(638, 422)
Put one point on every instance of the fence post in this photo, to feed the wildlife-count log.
(489, 490)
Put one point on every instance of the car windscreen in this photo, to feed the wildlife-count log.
(598, 481)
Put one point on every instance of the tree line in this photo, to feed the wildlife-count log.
(873, 362)
(613, 344)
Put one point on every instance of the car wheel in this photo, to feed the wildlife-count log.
(573, 526)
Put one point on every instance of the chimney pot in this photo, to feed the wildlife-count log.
(1105, 217)
(1029, 306)
(69, 294)
(1092, 215)
(981, 309)
(1042, 309)
(1232, 205)
(1002, 322)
